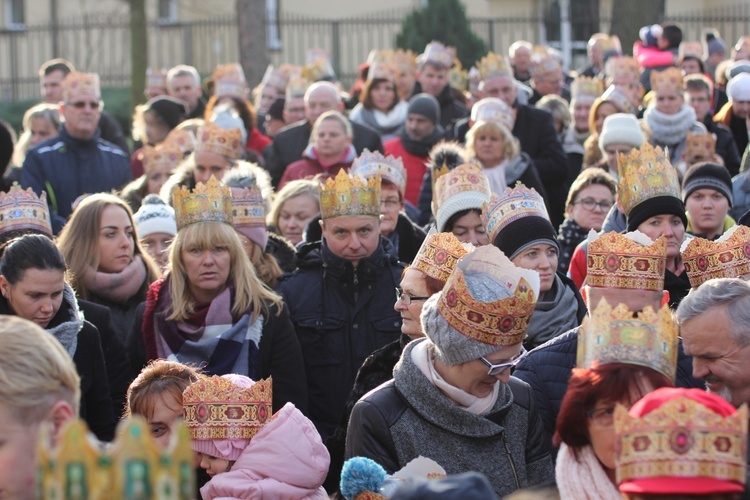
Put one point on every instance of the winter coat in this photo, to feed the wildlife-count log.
(341, 315)
(309, 166)
(123, 314)
(735, 124)
(740, 195)
(111, 131)
(415, 167)
(450, 109)
(725, 146)
(408, 417)
(66, 168)
(285, 460)
(547, 370)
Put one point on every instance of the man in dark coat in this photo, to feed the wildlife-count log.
(433, 67)
(184, 83)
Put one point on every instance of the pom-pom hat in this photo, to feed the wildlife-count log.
(154, 217)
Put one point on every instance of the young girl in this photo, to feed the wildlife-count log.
(267, 456)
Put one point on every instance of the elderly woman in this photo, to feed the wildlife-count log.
(211, 309)
(380, 107)
(294, 206)
(40, 123)
(452, 397)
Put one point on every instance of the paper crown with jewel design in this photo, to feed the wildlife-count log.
(727, 257)
(668, 80)
(382, 69)
(610, 43)
(78, 84)
(183, 139)
(700, 147)
(466, 178)
(229, 80)
(370, 163)
(377, 55)
(23, 210)
(214, 139)
(278, 77)
(297, 85)
(248, 207)
(619, 97)
(622, 69)
(586, 87)
(543, 62)
(164, 155)
(156, 78)
(216, 408)
(514, 204)
(628, 261)
(437, 53)
(318, 69)
(615, 335)
(439, 254)
(209, 202)
(405, 58)
(458, 78)
(501, 322)
(493, 65)
(694, 49)
(349, 195)
(681, 441)
(645, 173)
(133, 466)
(492, 109)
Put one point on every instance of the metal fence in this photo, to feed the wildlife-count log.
(103, 44)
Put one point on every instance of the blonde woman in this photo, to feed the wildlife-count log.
(40, 122)
(294, 206)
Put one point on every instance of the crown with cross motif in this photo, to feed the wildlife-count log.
(22, 209)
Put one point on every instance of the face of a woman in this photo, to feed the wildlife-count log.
(390, 206)
(382, 94)
(37, 296)
(41, 130)
(488, 147)
(591, 219)
(469, 229)
(707, 209)
(167, 412)
(472, 376)
(541, 258)
(330, 139)
(604, 110)
(414, 284)
(267, 97)
(157, 178)
(157, 246)
(207, 271)
(669, 102)
(116, 243)
(208, 164)
(294, 216)
(581, 111)
(156, 130)
(669, 226)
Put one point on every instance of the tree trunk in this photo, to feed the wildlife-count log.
(629, 16)
(251, 24)
(138, 50)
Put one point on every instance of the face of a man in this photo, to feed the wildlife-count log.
(521, 60)
(699, 101)
(418, 126)
(741, 109)
(433, 79)
(17, 455)
(549, 83)
(501, 87)
(294, 109)
(52, 87)
(352, 237)
(186, 89)
(319, 101)
(81, 115)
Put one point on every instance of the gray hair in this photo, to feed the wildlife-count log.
(183, 70)
(730, 292)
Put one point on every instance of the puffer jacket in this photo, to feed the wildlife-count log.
(408, 417)
(341, 315)
(547, 370)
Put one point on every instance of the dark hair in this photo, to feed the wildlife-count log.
(31, 251)
(453, 218)
(672, 33)
(244, 107)
(698, 83)
(366, 96)
(694, 58)
(58, 64)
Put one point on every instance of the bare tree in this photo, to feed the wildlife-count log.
(251, 24)
(628, 16)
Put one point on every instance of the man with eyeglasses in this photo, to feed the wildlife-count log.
(76, 161)
(547, 77)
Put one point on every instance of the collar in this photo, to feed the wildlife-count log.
(69, 139)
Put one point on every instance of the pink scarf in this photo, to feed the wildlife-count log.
(117, 287)
(582, 479)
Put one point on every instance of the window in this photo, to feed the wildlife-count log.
(273, 29)
(167, 11)
(15, 15)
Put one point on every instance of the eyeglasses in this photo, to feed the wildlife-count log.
(603, 417)
(495, 370)
(406, 298)
(590, 204)
(82, 104)
(390, 203)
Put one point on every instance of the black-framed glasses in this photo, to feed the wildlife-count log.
(602, 416)
(406, 298)
(495, 370)
(590, 204)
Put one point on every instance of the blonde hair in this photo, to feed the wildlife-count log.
(36, 372)
(79, 241)
(138, 127)
(266, 267)
(47, 112)
(291, 190)
(586, 178)
(334, 116)
(249, 290)
(159, 377)
(511, 146)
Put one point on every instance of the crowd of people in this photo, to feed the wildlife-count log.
(569, 254)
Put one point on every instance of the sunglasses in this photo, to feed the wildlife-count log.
(495, 370)
(82, 104)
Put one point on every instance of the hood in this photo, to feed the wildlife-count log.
(351, 154)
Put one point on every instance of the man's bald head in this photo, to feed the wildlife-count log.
(321, 97)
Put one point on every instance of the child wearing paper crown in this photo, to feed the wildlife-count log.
(247, 451)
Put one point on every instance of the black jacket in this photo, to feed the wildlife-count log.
(111, 131)
(450, 109)
(725, 146)
(291, 141)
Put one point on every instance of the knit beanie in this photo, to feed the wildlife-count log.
(276, 110)
(621, 128)
(714, 44)
(736, 69)
(738, 88)
(658, 205)
(154, 216)
(425, 105)
(707, 175)
(171, 111)
(227, 119)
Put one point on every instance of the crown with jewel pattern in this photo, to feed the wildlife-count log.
(694, 49)
(644, 174)
(628, 261)
(405, 58)
(727, 257)
(439, 254)
(156, 78)
(349, 195)
(682, 438)
(492, 109)
(668, 80)
(164, 155)
(248, 207)
(501, 322)
(619, 97)
(586, 87)
(543, 62)
(370, 163)
(493, 65)
(209, 202)
(318, 69)
(700, 147)
(382, 69)
(216, 408)
(616, 335)
(229, 80)
(278, 77)
(297, 85)
(183, 139)
(80, 84)
(515, 203)
(464, 178)
(437, 53)
(23, 209)
(458, 78)
(377, 55)
(609, 44)
(214, 139)
(622, 69)
(133, 466)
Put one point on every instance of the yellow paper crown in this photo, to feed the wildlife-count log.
(133, 466)
(501, 322)
(700, 147)
(439, 254)
(349, 195)
(609, 43)
(371, 163)
(619, 97)
(615, 335)
(586, 87)
(164, 155)
(216, 408)
(543, 62)
(297, 85)
(248, 207)
(668, 80)
(682, 438)
(727, 257)
(183, 139)
(493, 65)
(614, 260)
(622, 69)
(694, 49)
(437, 53)
(458, 78)
(462, 179)
(644, 174)
(209, 202)
(78, 84)
(382, 69)
(514, 204)
(214, 139)
(318, 69)
(377, 55)
(24, 210)
(229, 80)
(405, 58)
(278, 77)
(156, 78)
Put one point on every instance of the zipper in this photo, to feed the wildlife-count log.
(512, 463)
(355, 283)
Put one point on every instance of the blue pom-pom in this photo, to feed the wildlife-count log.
(361, 474)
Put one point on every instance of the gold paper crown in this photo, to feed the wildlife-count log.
(183, 139)
(80, 84)
(668, 80)
(681, 439)
(297, 85)
(694, 49)
(405, 58)
(248, 207)
(229, 80)
(458, 78)
(615, 261)
(21, 210)
(214, 139)
(382, 69)
(462, 179)
(622, 69)
(164, 155)
(700, 147)
(156, 78)
(609, 44)
(728, 257)
(133, 466)
(514, 204)
(543, 62)
(619, 97)
(586, 87)
(209, 202)
(439, 254)
(349, 195)
(644, 174)
(501, 322)
(493, 65)
(369, 164)
(377, 55)
(278, 77)
(216, 408)
(437, 53)
(617, 336)
(318, 69)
